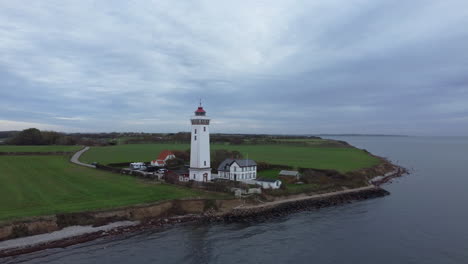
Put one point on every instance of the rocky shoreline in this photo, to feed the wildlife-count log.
(388, 177)
(249, 213)
(201, 211)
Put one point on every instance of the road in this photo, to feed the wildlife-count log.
(76, 158)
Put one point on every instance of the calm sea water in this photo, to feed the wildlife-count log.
(424, 220)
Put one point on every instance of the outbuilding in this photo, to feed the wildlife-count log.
(268, 183)
(184, 177)
(289, 176)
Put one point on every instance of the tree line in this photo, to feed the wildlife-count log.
(34, 136)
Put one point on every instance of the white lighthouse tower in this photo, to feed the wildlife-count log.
(200, 168)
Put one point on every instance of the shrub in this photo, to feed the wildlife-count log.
(19, 231)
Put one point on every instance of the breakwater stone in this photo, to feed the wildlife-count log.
(261, 213)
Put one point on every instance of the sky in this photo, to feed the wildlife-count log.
(276, 67)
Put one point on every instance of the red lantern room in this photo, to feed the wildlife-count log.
(200, 111)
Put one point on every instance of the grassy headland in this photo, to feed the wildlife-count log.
(320, 156)
(42, 185)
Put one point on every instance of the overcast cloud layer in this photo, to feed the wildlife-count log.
(356, 66)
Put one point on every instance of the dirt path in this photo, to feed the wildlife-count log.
(67, 232)
(304, 197)
(76, 158)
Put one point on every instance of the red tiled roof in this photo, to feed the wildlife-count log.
(164, 154)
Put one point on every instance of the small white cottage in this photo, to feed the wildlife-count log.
(268, 183)
(238, 170)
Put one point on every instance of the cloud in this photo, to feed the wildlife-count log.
(18, 125)
(260, 67)
(75, 118)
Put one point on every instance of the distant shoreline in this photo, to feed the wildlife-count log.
(359, 135)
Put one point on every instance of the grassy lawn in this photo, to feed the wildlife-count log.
(342, 159)
(51, 148)
(41, 185)
(268, 174)
(292, 188)
(127, 153)
(308, 140)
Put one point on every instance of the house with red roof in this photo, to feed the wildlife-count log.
(164, 156)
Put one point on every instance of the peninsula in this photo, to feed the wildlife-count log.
(144, 179)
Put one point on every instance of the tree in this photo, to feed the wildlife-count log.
(237, 141)
(30, 136)
(175, 164)
(183, 155)
(220, 155)
(171, 177)
(50, 137)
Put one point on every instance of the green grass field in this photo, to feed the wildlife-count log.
(127, 153)
(51, 148)
(268, 174)
(342, 159)
(42, 185)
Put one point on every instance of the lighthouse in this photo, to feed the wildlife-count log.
(200, 168)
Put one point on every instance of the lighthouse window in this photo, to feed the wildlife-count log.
(204, 129)
(195, 137)
(195, 130)
(204, 162)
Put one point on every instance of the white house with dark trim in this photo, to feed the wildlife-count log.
(238, 170)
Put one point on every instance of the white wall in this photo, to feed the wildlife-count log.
(200, 162)
(168, 157)
(200, 147)
(239, 174)
(269, 185)
(242, 173)
(198, 174)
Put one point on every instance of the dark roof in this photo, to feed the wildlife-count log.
(288, 173)
(266, 180)
(240, 162)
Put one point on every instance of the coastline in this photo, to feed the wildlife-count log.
(238, 212)
(88, 226)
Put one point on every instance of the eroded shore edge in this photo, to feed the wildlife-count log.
(150, 216)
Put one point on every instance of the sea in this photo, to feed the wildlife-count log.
(424, 220)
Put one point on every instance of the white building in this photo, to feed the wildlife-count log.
(268, 183)
(137, 166)
(200, 168)
(238, 170)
